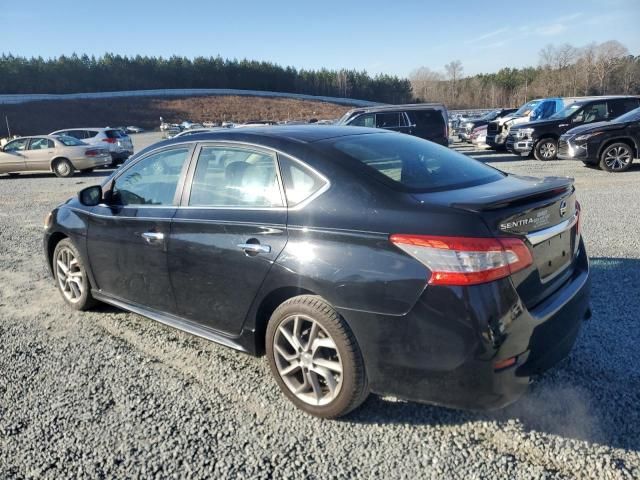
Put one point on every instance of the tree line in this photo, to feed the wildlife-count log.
(110, 72)
(564, 70)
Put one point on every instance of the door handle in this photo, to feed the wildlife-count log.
(254, 248)
(152, 237)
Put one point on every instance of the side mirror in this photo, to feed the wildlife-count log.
(90, 196)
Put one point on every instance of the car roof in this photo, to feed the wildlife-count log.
(51, 137)
(391, 108)
(101, 129)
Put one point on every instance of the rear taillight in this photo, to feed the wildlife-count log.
(465, 260)
(110, 140)
(93, 152)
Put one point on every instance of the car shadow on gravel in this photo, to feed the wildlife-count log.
(593, 395)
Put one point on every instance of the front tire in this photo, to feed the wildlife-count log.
(63, 168)
(315, 358)
(71, 276)
(617, 157)
(546, 149)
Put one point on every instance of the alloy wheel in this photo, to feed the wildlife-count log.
(307, 360)
(548, 150)
(617, 158)
(69, 275)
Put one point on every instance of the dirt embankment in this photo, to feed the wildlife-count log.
(47, 116)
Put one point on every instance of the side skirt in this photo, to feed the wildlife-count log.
(172, 321)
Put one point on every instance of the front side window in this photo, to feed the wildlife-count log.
(412, 163)
(300, 182)
(17, 145)
(595, 112)
(40, 144)
(151, 181)
(367, 120)
(388, 120)
(235, 177)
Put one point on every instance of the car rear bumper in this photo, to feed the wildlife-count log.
(445, 350)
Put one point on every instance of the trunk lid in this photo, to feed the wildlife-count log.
(542, 212)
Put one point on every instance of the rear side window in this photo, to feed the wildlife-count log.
(40, 144)
(621, 106)
(427, 119)
(79, 134)
(70, 141)
(91, 133)
(235, 177)
(300, 182)
(412, 163)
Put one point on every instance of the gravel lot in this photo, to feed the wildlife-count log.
(111, 394)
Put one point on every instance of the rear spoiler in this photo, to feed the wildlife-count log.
(550, 187)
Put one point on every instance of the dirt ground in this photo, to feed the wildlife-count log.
(46, 116)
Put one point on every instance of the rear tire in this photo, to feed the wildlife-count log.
(71, 276)
(617, 157)
(546, 149)
(315, 357)
(63, 168)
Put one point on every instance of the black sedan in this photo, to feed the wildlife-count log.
(610, 145)
(358, 260)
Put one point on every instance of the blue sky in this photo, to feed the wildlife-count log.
(378, 36)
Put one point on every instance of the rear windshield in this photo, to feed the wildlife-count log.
(114, 133)
(412, 163)
(70, 141)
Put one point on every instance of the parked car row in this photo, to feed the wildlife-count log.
(65, 151)
(539, 126)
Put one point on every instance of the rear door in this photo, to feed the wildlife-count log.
(39, 154)
(390, 120)
(228, 231)
(620, 106)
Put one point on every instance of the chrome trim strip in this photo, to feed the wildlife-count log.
(542, 235)
(170, 320)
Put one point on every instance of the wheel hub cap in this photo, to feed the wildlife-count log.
(307, 360)
(69, 274)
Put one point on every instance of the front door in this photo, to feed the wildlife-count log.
(227, 234)
(12, 156)
(39, 154)
(128, 238)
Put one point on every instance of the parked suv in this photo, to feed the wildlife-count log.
(425, 120)
(119, 143)
(498, 130)
(542, 136)
(611, 145)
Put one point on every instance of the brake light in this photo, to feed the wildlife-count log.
(465, 260)
(110, 140)
(93, 152)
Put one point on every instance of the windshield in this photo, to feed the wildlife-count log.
(526, 108)
(632, 116)
(70, 141)
(567, 111)
(490, 115)
(413, 163)
(345, 117)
